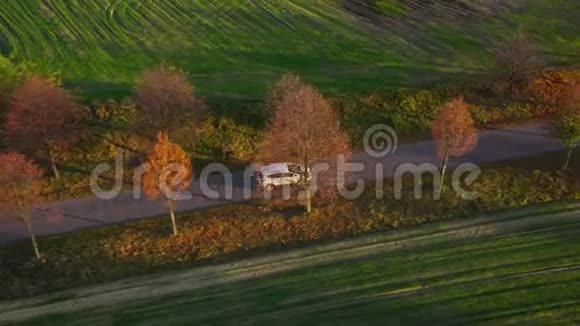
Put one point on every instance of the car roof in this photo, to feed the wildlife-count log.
(275, 168)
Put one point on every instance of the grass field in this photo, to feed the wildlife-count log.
(519, 267)
(234, 48)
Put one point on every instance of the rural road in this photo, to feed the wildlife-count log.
(494, 145)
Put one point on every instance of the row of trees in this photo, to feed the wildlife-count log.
(43, 117)
(302, 127)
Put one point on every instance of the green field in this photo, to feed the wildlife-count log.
(234, 48)
(519, 267)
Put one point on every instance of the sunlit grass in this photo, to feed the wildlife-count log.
(520, 273)
(234, 48)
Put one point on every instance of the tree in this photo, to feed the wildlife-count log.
(167, 173)
(567, 124)
(517, 59)
(304, 130)
(168, 97)
(42, 114)
(287, 84)
(21, 187)
(454, 133)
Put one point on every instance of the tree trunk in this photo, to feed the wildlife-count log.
(568, 158)
(171, 205)
(28, 222)
(308, 199)
(52, 160)
(307, 181)
(443, 172)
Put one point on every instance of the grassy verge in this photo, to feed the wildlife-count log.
(517, 267)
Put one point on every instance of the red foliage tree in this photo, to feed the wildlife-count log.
(304, 130)
(168, 97)
(41, 114)
(167, 172)
(454, 132)
(21, 187)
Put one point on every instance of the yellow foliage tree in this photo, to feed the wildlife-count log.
(168, 173)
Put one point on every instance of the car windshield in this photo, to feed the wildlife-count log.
(295, 168)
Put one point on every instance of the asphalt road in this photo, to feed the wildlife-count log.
(76, 214)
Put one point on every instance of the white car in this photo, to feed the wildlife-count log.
(279, 174)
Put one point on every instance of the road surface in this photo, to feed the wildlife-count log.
(493, 145)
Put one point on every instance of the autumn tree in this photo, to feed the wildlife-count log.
(567, 124)
(288, 83)
(168, 97)
(454, 133)
(168, 173)
(21, 187)
(42, 114)
(517, 59)
(304, 130)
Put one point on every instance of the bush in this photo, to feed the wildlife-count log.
(492, 116)
(410, 112)
(222, 139)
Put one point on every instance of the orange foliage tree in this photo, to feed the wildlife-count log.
(168, 172)
(21, 187)
(304, 130)
(42, 114)
(168, 97)
(552, 87)
(454, 133)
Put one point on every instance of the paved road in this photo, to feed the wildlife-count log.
(494, 145)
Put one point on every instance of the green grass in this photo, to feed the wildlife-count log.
(234, 48)
(519, 268)
(390, 7)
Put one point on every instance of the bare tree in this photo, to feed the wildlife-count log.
(454, 133)
(287, 84)
(517, 59)
(42, 114)
(303, 131)
(21, 187)
(168, 97)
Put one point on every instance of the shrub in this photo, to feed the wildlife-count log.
(116, 115)
(223, 139)
(410, 112)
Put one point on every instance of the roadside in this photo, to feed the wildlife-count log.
(77, 214)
